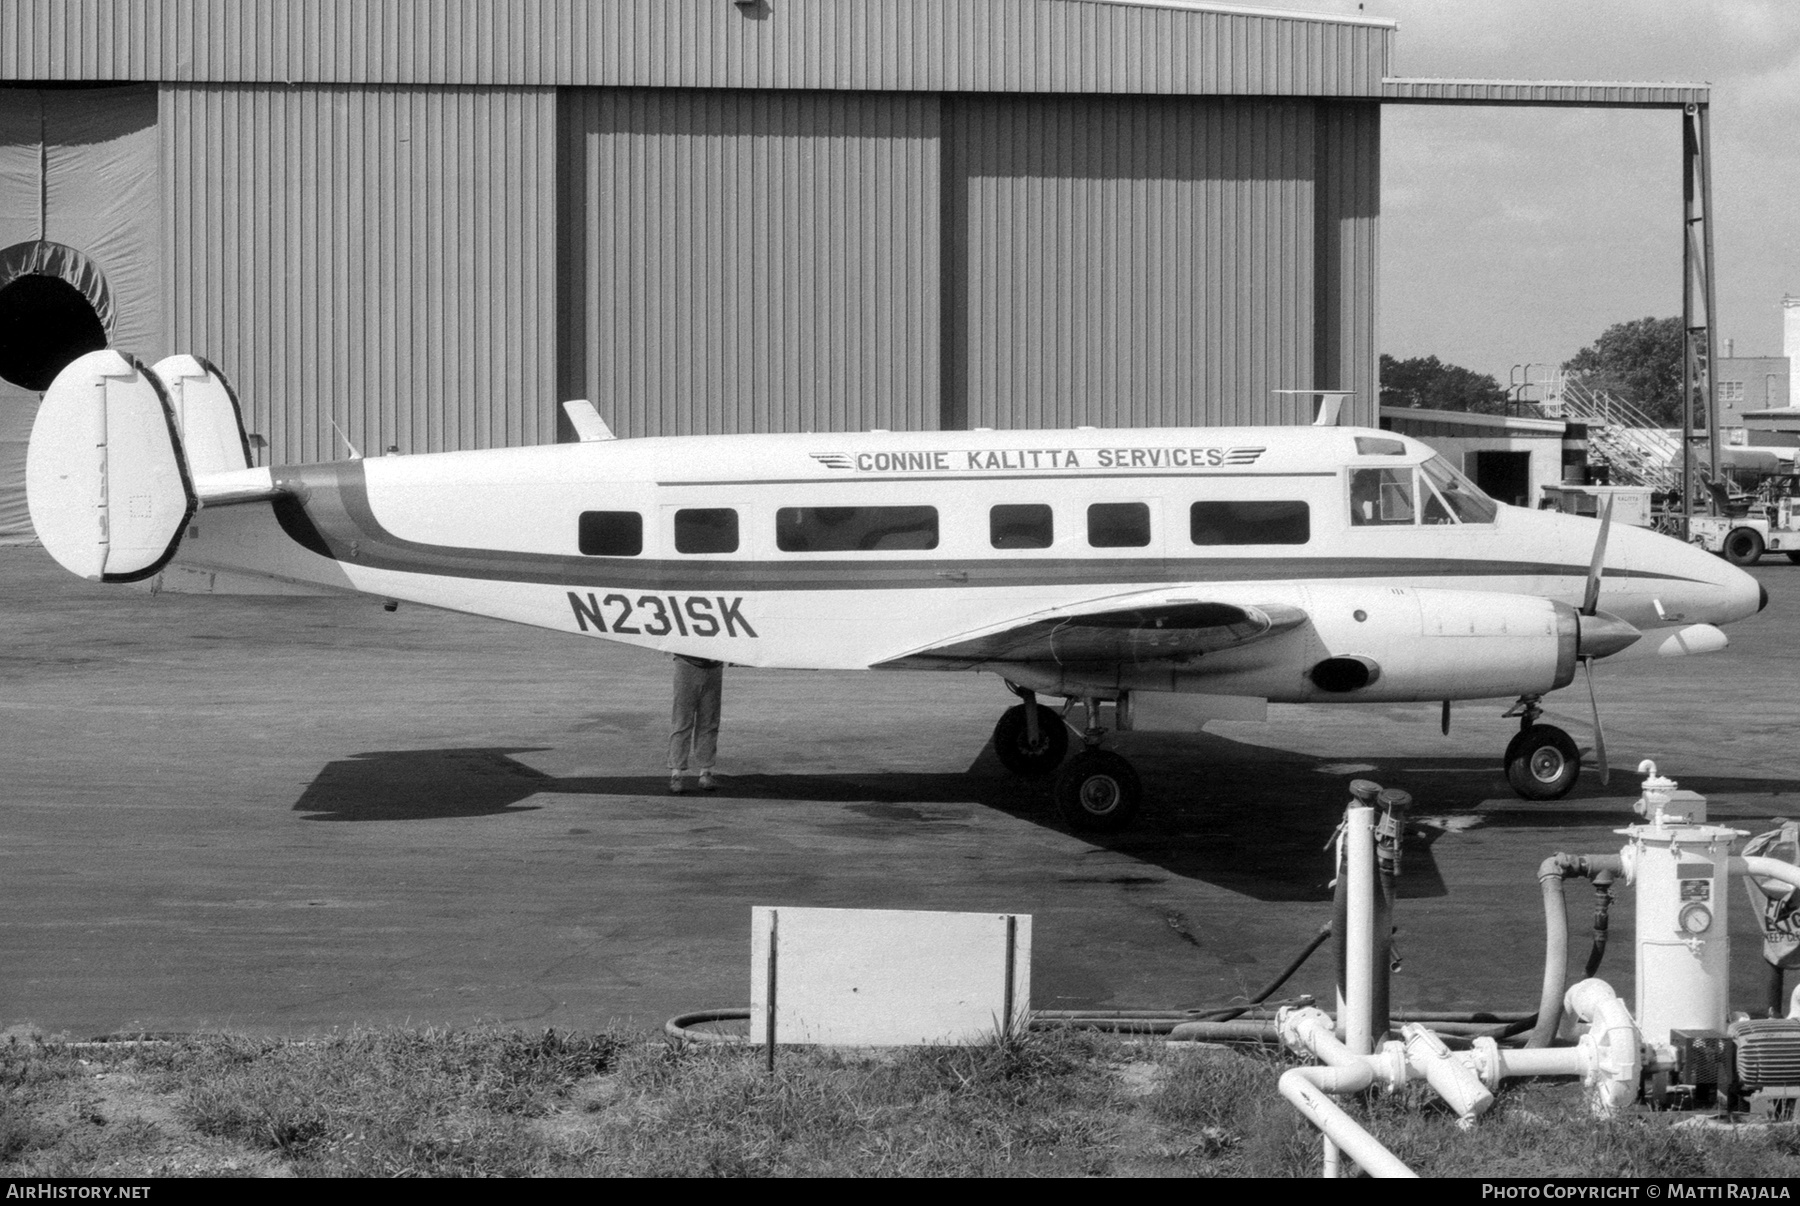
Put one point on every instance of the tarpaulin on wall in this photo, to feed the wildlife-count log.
(80, 167)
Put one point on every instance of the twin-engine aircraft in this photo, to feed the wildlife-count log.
(1157, 576)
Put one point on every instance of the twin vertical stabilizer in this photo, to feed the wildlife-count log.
(114, 455)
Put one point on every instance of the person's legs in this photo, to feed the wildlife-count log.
(683, 718)
(706, 722)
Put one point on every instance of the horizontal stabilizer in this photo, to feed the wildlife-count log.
(105, 477)
(206, 413)
(1149, 632)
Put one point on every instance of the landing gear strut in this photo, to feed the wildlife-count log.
(1542, 761)
(1096, 791)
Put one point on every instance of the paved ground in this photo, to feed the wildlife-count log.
(292, 815)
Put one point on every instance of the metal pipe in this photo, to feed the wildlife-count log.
(1362, 793)
(1454, 1079)
(1221, 1032)
(1306, 1088)
(1390, 826)
(1612, 1044)
(1359, 948)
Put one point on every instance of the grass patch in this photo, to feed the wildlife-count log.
(490, 1102)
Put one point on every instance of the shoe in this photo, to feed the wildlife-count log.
(706, 781)
(676, 786)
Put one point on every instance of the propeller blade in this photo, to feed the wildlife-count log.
(1587, 664)
(1590, 602)
(1444, 721)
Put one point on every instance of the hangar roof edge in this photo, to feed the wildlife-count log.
(1141, 47)
(1253, 10)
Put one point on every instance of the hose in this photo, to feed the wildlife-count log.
(1268, 990)
(1551, 873)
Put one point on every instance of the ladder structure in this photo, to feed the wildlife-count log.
(1635, 450)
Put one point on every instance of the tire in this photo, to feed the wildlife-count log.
(1098, 792)
(1542, 763)
(1016, 751)
(1743, 546)
(1794, 557)
(1512, 747)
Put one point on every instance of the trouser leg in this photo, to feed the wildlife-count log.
(685, 714)
(706, 719)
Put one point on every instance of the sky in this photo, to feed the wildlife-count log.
(1512, 236)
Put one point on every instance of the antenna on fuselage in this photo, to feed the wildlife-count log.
(1331, 403)
(589, 426)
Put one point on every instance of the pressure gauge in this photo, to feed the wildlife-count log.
(1694, 918)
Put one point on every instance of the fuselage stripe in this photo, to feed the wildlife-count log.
(338, 515)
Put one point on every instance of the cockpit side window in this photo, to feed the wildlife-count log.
(1460, 494)
(1382, 497)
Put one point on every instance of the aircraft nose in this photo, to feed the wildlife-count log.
(1747, 596)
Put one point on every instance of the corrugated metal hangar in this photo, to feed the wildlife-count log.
(427, 221)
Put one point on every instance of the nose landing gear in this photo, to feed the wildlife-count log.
(1542, 761)
(1097, 791)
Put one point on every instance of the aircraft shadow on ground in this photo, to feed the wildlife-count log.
(1248, 818)
(420, 785)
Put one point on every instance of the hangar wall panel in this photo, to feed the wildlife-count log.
(380, 257)
(1131, 261)
(751, 261)
(1349, 250)
(925, 45)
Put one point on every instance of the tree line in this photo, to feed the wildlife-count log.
(1639, 361)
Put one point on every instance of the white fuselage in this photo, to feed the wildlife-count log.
(501, 533)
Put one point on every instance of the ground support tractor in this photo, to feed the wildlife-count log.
(1769, 524)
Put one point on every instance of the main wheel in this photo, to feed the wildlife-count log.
(1019, 754)
(1743, 546)
(1098, 792)
(1542, 763)
(1794, 557)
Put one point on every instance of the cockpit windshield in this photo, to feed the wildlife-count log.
(1462, 496)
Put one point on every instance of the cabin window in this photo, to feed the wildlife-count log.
(611, 533)
(1381, 496)
(855, 529)
(1021, 526)
(706, 530)
(1250, 523)
(1118, 525)
(1462, 496)
(1379, 446)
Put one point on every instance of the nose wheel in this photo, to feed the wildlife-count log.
(1542, 761)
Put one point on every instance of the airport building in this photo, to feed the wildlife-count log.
(418, 225)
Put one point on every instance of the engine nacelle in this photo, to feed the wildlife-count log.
(1367, 643)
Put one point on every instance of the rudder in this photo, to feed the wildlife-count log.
(207, 414)
(106, 480)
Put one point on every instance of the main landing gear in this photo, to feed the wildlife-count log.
(1542, 761)
(1096, 790)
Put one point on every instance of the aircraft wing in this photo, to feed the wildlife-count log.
(1109, 633)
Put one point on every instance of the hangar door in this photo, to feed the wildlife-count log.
(749, 261)
(80, 249)
(1156, 261)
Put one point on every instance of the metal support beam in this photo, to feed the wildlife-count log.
(1698, 353)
